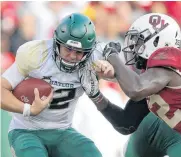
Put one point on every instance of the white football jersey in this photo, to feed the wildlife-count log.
(34, 59)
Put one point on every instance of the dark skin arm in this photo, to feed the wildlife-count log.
(137, 86)
(126, 120)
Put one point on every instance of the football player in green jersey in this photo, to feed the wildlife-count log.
(43, 128)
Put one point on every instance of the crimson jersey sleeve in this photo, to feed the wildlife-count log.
(167, 56)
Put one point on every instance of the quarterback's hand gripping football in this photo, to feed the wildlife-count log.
(89, 82)
(39, 104)
(111, 48)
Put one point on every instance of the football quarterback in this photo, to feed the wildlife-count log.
(43, 128)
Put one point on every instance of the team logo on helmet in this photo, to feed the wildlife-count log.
(74, 43)
(156, 20)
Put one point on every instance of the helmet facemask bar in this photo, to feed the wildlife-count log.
(64, 65)
(135, 45)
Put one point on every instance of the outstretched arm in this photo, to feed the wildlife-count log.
(125, 120)
(136, 86)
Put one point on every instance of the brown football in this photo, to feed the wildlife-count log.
(24, 91)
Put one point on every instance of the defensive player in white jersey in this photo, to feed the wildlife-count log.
(40, 131)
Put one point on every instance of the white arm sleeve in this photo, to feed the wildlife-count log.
(13, 75)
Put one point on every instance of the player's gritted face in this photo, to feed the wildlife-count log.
(70, 55)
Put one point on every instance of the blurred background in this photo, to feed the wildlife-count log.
(24, 21)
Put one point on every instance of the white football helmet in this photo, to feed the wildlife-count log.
(149, 33)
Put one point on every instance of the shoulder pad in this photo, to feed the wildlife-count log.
(167, 57)
(30, 56)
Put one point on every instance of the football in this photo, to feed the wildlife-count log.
(24, 91)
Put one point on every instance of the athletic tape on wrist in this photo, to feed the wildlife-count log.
(26, 110)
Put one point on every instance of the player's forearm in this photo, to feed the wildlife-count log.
(126, 121)
(128, 79)
(10, 103)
